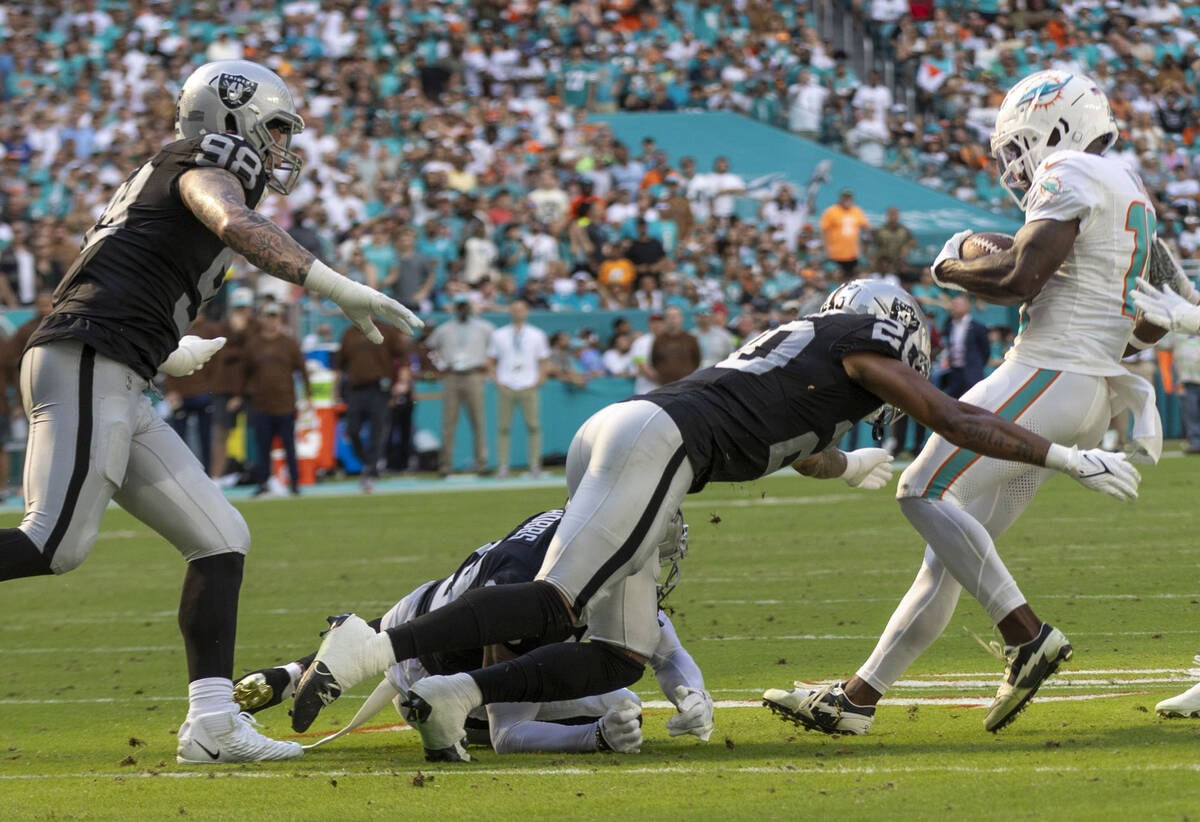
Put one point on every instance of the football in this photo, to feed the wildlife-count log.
(980, 245)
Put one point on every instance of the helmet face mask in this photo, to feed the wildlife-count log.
(885, 300)
(251, 101)
(671, 550)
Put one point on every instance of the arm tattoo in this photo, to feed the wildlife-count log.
(829, 464)
(215, 197)
(999, 441)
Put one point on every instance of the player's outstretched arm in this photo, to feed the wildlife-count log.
(981, 431)
(1011, 277)
(869, 468)
(215, 196)
(681, 680)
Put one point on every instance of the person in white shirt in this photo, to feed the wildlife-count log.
(646, 380)
(618, 360)
(720, 188)
(518, 355)
(550, 203)
(807, 98)
(715, 342)
(874, 97)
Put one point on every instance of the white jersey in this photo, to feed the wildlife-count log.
(1082, 318)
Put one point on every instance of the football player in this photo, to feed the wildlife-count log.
(1089, 228)
(782, 399)
(159, 251)
(609, 721)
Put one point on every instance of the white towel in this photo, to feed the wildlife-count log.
(1129, 392)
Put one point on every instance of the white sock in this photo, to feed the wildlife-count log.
(381, 653)
(966, 549)
(294, 672)
(210, 695)
(918, 620)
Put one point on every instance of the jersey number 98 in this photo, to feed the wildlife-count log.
(236, 156)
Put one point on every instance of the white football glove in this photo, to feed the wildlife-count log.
(869, 468)
(1165, 308)
(360, 303)
(695, 713)
(620, 729)
(191, 355)
(952, 250)
(1106, 471)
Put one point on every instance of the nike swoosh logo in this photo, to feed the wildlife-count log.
(207, 751)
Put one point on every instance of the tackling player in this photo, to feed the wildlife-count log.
(782, 399)
(160, 251)
(609, 721)
(1089, 228)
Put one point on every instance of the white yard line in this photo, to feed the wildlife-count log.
(472, 772)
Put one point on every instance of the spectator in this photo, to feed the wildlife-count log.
(1186, 350)
(459, 349)
(646, 252)
(618, 359)
(412, 280)
(675, 353)
(191, 398)
(715, 342)
(718, 189)
(18, 270)
(561, 364)
(271, 361)
(479, 256)
(967, 348)
(550, 203)
(591, 359)
(226, 373)
(647, 378)
(841, 227)
(891, 244)
(518, 357)
(367, 377)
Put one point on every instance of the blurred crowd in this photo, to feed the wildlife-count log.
(451, 159)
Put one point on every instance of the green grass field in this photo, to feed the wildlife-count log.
(794, 582)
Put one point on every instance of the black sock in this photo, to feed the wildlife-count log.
(483, 616)
(208, 610)
(564, 670)
(19, 557)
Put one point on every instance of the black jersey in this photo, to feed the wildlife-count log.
(516, 558)
(148, 265)
(780, 397)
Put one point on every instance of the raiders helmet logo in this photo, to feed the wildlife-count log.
(235, 90)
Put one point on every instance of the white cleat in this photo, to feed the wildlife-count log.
(826, 709)
(1029, 665)
(1186, 705)
(437, 707)
(346, 657)
(229, 736)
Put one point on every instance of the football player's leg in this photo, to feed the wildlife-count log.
(81, 410)
(167, 488)
(637, 474)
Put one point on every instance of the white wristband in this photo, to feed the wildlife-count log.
(1138, 344)
(1058, 457)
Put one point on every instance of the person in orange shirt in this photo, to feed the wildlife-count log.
(841, 226)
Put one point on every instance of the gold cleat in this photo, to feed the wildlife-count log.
(252, 692)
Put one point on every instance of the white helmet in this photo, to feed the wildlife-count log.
(1046, 112)
(882, 299)
(247, 99)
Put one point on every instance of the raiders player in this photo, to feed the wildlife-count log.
(783, 398)
(158, 253)
(610, 721)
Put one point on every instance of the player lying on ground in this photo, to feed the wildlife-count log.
(783, 398)
(1089, 227)
(609, 721)
(158, 253)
